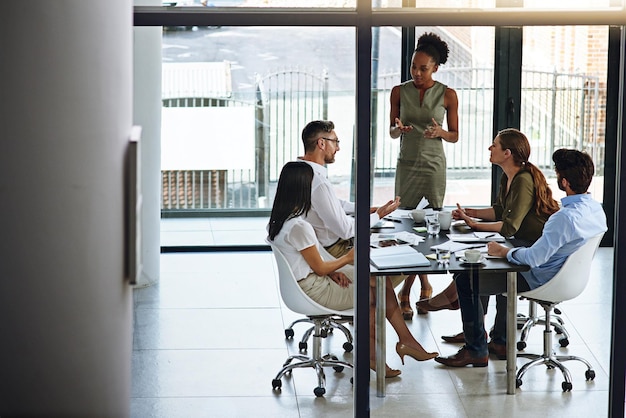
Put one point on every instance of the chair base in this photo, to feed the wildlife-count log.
(316, 361)
(328, 325)
(554, 362)
(526, 322)
(548, 357)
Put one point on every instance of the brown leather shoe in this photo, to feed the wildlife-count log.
(498, 349)
(456, 338)
(463, 358)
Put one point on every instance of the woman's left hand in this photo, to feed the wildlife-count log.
(461, 214)
(434, 130)
(341, 279)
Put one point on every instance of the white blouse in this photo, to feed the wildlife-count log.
(295, 236)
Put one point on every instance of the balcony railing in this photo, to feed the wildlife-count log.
(558, 110)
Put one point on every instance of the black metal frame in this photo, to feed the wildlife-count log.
(363, 18)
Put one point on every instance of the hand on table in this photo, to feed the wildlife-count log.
(497, 250)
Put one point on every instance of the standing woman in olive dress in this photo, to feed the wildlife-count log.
(418, 107)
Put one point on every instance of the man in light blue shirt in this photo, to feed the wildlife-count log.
(579, 219)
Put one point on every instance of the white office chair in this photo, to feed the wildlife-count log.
(568, 283)
(298, 301)
(328, 326)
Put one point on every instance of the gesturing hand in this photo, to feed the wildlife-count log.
(460, 213)
(388, 207)
(403, 128)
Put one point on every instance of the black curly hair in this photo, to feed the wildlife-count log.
(432, 45)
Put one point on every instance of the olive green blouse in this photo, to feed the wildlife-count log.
(516, 208)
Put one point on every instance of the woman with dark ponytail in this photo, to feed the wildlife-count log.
(325, 279)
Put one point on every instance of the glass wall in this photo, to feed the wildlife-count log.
(564, 95)
(469, 71)
(235, 100)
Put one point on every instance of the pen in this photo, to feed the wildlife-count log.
(490, 235)
(393, 220)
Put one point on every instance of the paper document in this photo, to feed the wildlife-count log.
(399, 214)
(383, 224)
(422, 203)
(397, 238)
(397, 256)
(477, 237)
(453, 246)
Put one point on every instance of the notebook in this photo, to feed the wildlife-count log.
(397, 256)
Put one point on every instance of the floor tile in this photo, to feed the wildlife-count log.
(209, 338)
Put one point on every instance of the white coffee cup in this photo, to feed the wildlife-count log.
(472, 256)
(418, 215)
(445, 219)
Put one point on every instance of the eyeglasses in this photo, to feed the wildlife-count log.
(335, 140)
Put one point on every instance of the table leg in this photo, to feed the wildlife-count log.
(511, 334)
(381, 336)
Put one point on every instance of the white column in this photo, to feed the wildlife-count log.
(65, 117)
(147, 114)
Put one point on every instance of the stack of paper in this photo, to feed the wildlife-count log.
(398, 256)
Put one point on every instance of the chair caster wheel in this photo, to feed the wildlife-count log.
(318, 391)
(590, 374)
(567, 387)
(338, 369)
(521, 345)
(558, 330)
(289, 333)
(348, 347)
(564, 342)
(518, 383)
(324, 333)
(276, 384)
(302, 346)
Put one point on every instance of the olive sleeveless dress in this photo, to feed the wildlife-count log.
(421, 166)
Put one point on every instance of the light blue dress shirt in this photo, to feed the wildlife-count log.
(580, 218)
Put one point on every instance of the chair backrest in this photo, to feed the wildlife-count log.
(572, 278)
(293, 295)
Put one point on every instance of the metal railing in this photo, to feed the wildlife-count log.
(558, 110)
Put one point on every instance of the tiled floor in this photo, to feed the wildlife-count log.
(209, 339)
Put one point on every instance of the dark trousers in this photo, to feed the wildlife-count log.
(471, 288)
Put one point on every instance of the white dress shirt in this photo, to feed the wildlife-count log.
(329, 215)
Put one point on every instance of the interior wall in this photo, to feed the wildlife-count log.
(65, 307)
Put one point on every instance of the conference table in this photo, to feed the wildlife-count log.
(492, 265)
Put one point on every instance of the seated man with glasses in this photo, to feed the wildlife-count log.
(329, 215)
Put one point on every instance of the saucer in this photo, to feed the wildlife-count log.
(481, 260)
